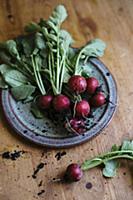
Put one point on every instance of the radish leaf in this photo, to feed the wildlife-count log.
(22, 92)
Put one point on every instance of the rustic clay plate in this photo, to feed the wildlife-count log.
(50, 133)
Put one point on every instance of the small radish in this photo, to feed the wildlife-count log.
(97, 100)
(92, 85)
(75, 125)
(82, 109)
(45, 101)
(77, 83)
(73, 173)
(61, 103)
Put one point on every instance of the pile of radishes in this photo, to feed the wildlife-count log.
(81, 108)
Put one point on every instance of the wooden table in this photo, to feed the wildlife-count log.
(111, 21)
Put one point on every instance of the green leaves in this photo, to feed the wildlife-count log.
(36, 111)
(3, 84)
(32, 27)
(39, 41)
(4, 68)
(11, 47)
(14, 78)
(44, 59)
(88, 164)
(109, 159)
(95, 48)
(28, 46)
(110, 168)
(127, 145)
(66, 39)
(59, 15)
(22, 92)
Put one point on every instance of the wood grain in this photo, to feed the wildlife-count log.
(112, 22)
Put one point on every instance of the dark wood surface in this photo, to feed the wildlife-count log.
(112, 22)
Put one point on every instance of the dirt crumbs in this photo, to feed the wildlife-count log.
(59, 155)
(12, 155)
(38, 168)
(40, 184)
(41, 192)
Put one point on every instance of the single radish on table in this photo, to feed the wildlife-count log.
(61, 103)
(92, 85)
(73, 173)
(45, 101)
(77, 83)
(98, 99)
(82, 109)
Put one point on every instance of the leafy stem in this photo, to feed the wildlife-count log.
(103, 161)
(109, 159)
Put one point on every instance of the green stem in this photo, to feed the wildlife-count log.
(51, 78)
(53, 66)
(74, 108)
(62, 65)
(115, 152)
(40, 79)
(69, 67)
(57, 66)
(118, 156)
(77, 61)
(36, 77)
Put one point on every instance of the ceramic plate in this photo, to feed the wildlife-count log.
(50, 133)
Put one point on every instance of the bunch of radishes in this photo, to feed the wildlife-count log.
(81, 107)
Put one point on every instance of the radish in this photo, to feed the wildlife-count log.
(97, 100)
(45, 101)
(92, 85)
(76, 125)
(82, 109)
(61, 103)
(77, 84)
(73, 173)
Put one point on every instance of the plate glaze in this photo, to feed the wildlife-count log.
(50, 133)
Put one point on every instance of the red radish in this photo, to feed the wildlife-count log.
(92, 84)
(77, 125)
(45, 101)
(82, 109)
(61, 103)
(73, 173)
(77, 84)
(97, 100)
